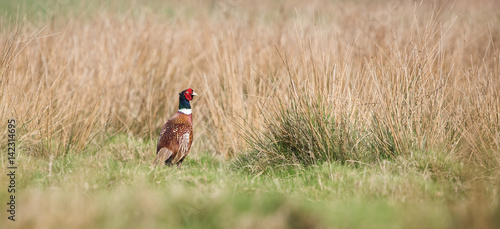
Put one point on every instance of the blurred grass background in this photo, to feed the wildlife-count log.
(311, 114)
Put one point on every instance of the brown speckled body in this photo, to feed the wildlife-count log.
(175, 139)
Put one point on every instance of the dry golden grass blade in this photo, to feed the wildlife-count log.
(423, 72)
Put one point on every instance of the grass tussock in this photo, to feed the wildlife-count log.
(297, 132)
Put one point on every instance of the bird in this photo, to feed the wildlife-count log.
(176, 136)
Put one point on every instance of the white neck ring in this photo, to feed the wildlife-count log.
(185, 111)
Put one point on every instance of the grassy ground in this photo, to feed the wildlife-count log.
(114, 190)
(311, 114)
(117, 188)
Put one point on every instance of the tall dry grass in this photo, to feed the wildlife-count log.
(410, 74)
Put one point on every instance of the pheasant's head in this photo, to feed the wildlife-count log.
(184, 98)
(188, 94)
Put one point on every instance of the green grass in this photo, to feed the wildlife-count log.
(116, 188)
(39, 10)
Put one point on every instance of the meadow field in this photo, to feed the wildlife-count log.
(310, 114)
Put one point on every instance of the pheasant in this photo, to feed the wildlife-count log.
(176, 136)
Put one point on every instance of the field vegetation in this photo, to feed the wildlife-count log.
(311, 114)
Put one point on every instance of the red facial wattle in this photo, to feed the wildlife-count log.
(188, 96)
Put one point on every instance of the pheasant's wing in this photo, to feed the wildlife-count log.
(184, 145)
(163, 155)
(168, 137)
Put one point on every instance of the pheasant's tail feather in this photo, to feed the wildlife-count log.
(163, 155)
(177, 158)
(184, 145)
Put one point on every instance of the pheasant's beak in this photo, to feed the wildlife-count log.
(194, 93)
